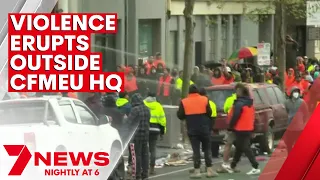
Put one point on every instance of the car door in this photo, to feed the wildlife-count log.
(73, 140)
(277, 108)
(281, 99)
(259, 108)
(89, 125)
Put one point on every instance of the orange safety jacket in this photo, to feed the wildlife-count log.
(166, 83)
(246, 120)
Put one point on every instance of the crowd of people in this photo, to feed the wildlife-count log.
(150, 85)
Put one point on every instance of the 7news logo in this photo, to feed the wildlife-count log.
(79, 166)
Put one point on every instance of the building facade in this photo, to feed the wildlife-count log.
(150, 26)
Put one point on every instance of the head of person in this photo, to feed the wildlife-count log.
(174, 72)
(202, 68)
(160, 67)
(150, 59)
(295, 93)
(217, 72)
(181, 74)
(193, 89)
(166, 71)
(158, 56)
(290, 72)
(151, 95)
(196, 70)
(119, 68)
(109, 101)
(202, 92)
(124, 95)
(153, 70)
(305, 58)
(242, 90)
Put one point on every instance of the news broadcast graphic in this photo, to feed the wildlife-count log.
(51, 53)
(297, 155)
(57, 159)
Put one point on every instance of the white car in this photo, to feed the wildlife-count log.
(50, 124)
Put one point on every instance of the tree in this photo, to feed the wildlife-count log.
(283, 9)
(188, 52)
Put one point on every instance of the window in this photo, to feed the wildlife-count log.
(272, 96)
(236, 32)
(280, 95)
(68, 113)
(212, 32)
(219, 97)
(173, 48)
(145, 38)
(85, 116)
(22, 112)
(224, 36)
(256, 98)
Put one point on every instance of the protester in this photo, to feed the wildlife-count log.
(217, 78)
(164, 87)
(298, 116)
(94, 103)
(157, 127)
(142, 81)
(241, 122)
(111, 109)
(140, 114)
(196, 72)
(198, 121)
(130, 82)
(123, 103)
(179, 82)
(158, 61)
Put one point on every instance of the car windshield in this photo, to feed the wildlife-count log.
(219, 97)
(22, 112)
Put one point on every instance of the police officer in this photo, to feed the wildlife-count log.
(241, 122)
(214, 145)
(157, 126)
(195, 109)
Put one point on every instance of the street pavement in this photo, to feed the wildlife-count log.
(182, 172)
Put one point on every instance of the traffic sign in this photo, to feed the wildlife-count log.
(264, 51)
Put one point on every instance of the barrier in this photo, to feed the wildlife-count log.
(172, 136)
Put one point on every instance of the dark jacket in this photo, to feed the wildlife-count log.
(110, 109)
(139, 118)
(95, 105)
(197, 124)
(239, 103)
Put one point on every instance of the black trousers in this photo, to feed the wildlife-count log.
(153, 138)
(243, 145)
(205, 141)
(142, 158)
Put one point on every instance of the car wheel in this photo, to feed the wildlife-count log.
(119, 171)
(267, 141)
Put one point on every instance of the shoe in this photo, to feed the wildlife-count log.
(254, 171)
(196, 174)
(211, 173)
(152, 171)
(227, 168)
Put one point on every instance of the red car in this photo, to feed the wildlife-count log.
(270, 116)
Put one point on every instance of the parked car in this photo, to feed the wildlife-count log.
(270, 113)
(55, 123)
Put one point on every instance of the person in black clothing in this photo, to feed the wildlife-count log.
(94, 103)
(110, 109)
(142, 81)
